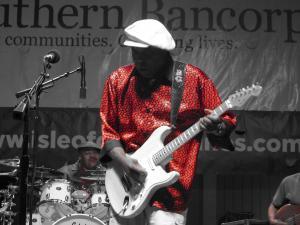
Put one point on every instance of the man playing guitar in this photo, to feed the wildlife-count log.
(284, 208)
(137, 100)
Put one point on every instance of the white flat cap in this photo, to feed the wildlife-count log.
(149, 32)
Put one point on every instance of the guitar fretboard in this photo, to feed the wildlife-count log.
(187, 135)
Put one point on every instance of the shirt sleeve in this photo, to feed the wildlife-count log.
(279, 198)
(109, 116)
(211, 100)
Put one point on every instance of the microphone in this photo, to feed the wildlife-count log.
(82, 93)
(52, 57)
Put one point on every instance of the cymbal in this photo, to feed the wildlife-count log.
(15, 163)
(42, 169)
(99, 173)
(47, 175)
(93, 175)
(13, 173)
(93, 178)
(44, 173)
(93, 171)
(10, 177)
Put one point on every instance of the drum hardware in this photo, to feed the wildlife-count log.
(37, 219)
(37, 184)
(6, 205)
(10, 174)
(15, 163)
(79, 206)
(13, 188)
(9, 213)
(41, 171)
(6, 213)
(79, 200)
(4, 191)
(57, 197)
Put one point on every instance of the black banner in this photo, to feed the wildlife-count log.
(61, 130)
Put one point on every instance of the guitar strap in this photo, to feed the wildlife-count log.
(177, 89)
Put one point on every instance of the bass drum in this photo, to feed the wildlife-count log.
(79, 219)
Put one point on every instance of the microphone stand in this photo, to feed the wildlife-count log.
(22, 112)
(49, 83)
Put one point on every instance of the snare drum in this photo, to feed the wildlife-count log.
(98, 206)
(79, 219)
(55, 200)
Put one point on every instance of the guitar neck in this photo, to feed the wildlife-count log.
(187, 135)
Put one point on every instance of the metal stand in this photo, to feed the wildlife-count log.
(23, 112)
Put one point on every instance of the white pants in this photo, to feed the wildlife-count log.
(153, 216)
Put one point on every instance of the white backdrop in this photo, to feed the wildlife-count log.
(236, 42)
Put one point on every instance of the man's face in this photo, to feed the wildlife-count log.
(149, 61)
(90, 158)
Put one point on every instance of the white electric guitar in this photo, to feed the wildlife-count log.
(127, 198)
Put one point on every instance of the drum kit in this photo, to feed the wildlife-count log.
(59, 201)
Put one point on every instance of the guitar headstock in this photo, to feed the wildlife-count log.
(241, 96)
